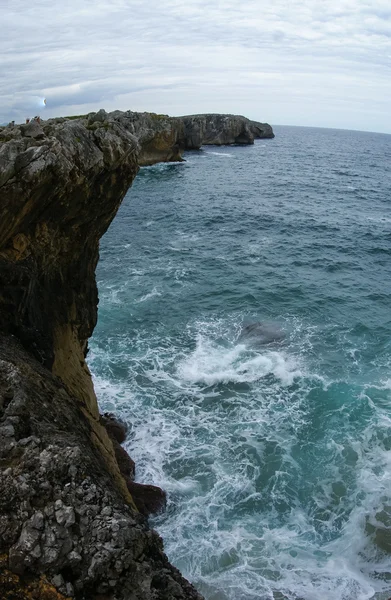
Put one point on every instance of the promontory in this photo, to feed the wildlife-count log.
(73, 521)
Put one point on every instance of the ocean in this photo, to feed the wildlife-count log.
(244, 334)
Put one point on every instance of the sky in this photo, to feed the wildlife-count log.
(323, 63)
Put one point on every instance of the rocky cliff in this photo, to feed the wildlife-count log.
(72, 520)
(163, 138)
(221, 130)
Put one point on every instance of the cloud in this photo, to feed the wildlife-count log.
(311, 63)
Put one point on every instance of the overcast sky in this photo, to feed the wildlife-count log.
(324, 63)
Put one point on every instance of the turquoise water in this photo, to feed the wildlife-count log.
(276, 457)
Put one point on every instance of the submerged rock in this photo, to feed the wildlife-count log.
(379, 528)
(149, 499)
(261, 333)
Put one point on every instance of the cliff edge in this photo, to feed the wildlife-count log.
(72, 520)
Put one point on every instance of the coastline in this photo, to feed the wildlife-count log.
(71, 524)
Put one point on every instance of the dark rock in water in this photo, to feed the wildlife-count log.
(117, 432)
(116, 429)
(261, 130)
(380, 529)
(149, 499)
(261, 333)
(125, 462)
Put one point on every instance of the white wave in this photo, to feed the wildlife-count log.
(189, 236)
(149, 295)
(162, 166)
(211, 364)
(230, 463)
(379, 219)
(176, 249)
(386, 384)
(219, 153)
(136, 272)
(111, 295)
(112, 397)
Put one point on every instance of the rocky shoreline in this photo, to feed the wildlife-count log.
(73, 523)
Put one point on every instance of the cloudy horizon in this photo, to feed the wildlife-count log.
(307, 63)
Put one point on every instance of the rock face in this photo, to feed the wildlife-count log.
(64, 524)
(72, 519)
(59, 192)
(222, 130)
(163, 138)
(160, 137)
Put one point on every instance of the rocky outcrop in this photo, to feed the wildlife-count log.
(161, 138)
(261, 131)
(66, 530)
(72, 518)
(61, 184)
(221, 130)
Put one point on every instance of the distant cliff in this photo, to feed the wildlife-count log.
(221, 130)
(159, 138)
(164, 138)
(71, 516)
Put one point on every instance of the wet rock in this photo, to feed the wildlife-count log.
(116, 429)
(125, 462)
(149, 499)
(379, 528)
(260, 333)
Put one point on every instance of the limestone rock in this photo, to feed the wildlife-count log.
(220, 130)
(33, 130)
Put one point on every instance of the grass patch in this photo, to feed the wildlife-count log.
(157, 117)
(76, 117)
